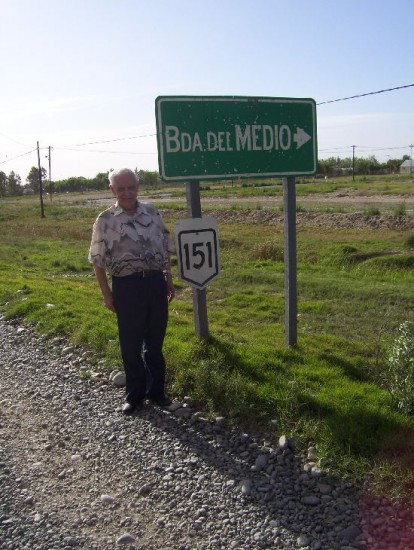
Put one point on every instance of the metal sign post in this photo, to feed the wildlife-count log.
(199, 295)
(289, 210)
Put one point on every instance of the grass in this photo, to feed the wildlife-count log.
(354, 289)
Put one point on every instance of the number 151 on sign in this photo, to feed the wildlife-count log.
(197, 250)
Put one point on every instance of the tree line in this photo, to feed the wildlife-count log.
(12, 184)
(334, 166)
(359, 166)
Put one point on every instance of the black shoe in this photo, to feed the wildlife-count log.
(162, 401)
(129, 409)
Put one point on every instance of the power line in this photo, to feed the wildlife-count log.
(112, 140)
(22, 155)
(363, 95)
(335, 149)
(369, 147)
(102, 151)
(15, 141)
(381, 148)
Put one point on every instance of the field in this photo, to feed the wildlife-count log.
(355, 288)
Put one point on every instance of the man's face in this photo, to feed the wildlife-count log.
(125, 189)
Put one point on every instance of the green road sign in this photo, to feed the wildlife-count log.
(201, 138)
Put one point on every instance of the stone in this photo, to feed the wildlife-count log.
(350, 533)
(324, 488)
(303, 541)
(175, 405)
(119, 379)
(311, 500)
(183, 412)
(283, 442)
(108, 499)
(220, 421)
(260, 462)
(126, 538)
(145, 489)
(246, 487)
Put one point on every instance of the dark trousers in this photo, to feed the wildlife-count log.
(142, 312)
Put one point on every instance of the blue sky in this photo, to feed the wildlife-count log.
(75, 72)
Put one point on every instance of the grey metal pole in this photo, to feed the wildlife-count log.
(291, 307)
(199, 295)
(353, 163)
(50, 173)
(42, 210)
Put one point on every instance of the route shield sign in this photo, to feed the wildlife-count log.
(197, 250)
(201, 138)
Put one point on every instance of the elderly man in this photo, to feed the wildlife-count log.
(132, 244)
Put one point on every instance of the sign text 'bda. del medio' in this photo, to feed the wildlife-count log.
(250, 137)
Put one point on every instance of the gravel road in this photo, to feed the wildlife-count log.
(74, 473)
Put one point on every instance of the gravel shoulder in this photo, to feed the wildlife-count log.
(74, 473)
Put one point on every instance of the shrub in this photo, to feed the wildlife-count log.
(268, 250)
(409, 242)
(400, 210)
(372, 211)
(400, 369)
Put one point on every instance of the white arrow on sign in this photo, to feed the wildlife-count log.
(301, 137)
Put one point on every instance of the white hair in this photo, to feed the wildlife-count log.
(119, 172)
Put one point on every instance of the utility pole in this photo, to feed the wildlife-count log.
(411, 160)
(353, 162)
(42, 210)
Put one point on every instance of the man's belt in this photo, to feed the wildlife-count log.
(145, 273)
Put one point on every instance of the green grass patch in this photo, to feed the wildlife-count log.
(354, 288)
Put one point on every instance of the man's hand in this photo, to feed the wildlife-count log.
(105, 289)
(109, 302)
(170, 285)
(170, 291)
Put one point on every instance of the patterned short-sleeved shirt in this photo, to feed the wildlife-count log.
(124, 243)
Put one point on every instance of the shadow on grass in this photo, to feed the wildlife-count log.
(352, 371)
(356, 429)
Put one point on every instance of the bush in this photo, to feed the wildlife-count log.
(372, 211)
(409, 242)
(268, 250)
(400, 369)
(400, 210)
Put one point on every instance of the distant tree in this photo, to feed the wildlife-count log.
(367, 166)
(33, 178)
(393, 165)
(14, 184)
(328, 167)
(148, 178)
(3, 184)
(100, 181)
